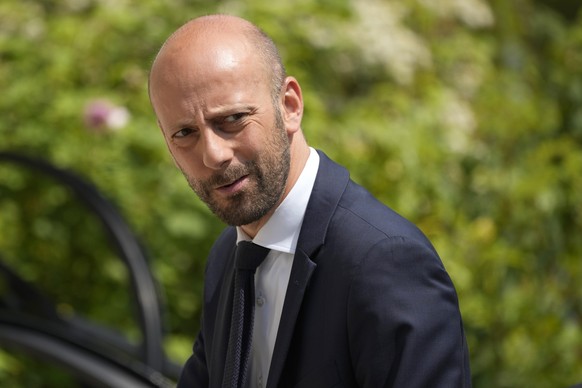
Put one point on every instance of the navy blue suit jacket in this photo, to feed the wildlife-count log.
(369, 303)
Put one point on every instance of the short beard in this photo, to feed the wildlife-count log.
(268, 175)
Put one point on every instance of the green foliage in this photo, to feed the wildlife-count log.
(465, 119)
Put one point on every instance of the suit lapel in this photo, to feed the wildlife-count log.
(329, 186)
(302, 270)
(222, 323)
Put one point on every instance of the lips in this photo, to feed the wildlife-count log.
(234, 186)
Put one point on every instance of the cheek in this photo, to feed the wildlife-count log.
(244, 145)
(182, 160)
(256, 138)
(187, 165)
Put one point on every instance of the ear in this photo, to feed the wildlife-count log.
(292, 102)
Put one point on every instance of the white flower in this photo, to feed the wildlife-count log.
(117, 118)
(102, 114)
(384, 39)
(474, 13)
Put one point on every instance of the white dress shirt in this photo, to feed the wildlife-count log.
(280, 234)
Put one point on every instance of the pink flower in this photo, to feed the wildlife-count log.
(102, 114)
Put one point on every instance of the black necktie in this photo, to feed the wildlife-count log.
(248, 257)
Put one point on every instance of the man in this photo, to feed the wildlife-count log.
(350, 294)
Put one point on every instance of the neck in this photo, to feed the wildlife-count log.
(299, 155)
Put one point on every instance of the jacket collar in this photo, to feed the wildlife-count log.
(330, 184)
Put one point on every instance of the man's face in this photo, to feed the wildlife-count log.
(244, 193)
(224, 131)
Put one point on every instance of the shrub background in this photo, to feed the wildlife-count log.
(464, 116)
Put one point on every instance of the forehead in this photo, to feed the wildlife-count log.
(206, 61)
(207, 77)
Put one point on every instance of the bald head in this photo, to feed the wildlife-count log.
(230, 117)
(219, 42)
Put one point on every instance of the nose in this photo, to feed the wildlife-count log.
(217, 151)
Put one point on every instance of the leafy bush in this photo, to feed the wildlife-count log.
(466, 117)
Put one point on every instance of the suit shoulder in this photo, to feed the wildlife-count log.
(361, 213)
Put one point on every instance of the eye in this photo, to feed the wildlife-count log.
(183, 133)
(235, 117)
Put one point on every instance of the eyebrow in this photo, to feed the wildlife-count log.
(225, 110)
(220, 111)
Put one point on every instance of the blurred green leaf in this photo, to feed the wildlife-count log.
(466, 117)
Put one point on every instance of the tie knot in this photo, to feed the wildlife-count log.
(249, 255)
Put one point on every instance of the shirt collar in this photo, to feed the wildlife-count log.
(281, 231)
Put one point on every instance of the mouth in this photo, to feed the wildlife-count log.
(234, 186)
